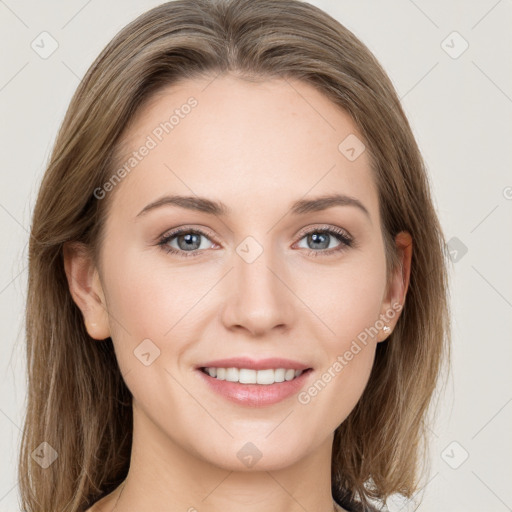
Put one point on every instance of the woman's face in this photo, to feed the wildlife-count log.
(252, 276)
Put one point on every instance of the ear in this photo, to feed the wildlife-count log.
(86, 290)
(397, 287)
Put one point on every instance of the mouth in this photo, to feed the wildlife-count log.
(265, 377)
(251, 383)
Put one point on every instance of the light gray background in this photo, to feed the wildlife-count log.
(461, 113)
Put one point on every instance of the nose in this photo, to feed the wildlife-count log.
(258, 297)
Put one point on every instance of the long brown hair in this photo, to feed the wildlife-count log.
(77, 400)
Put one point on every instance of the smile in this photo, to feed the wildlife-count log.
(254, 388)
(249, 376)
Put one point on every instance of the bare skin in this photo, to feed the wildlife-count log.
(257, 147)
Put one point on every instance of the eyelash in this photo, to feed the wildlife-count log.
(340, 235)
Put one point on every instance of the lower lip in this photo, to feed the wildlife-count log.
(256, 395)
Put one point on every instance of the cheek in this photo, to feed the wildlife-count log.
(348, 298)
(340, 382)
(350, 306)
(147, 293)
(150, 298)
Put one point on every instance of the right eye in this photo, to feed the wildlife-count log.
(186, 238)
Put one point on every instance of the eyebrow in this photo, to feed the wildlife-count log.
(218, 208)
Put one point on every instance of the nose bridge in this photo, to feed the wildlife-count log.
(259, 299)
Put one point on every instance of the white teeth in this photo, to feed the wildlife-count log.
(247, 376)
(265, 376)
(232, 374)
(279, 375)
(289, 375)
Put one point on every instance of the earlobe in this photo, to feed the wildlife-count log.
(399, 285)
(86, 289)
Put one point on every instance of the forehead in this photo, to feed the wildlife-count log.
(250, 144)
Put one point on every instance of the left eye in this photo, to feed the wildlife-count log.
(321, 238)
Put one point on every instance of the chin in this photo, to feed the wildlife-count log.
(256, 453)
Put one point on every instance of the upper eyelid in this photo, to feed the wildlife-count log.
(171, 233)
(324, 227)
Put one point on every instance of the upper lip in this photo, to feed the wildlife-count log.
(253, 364)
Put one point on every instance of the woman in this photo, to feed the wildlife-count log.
(190, 346)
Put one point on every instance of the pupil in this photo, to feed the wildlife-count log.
(190, 240)
(317, 236)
